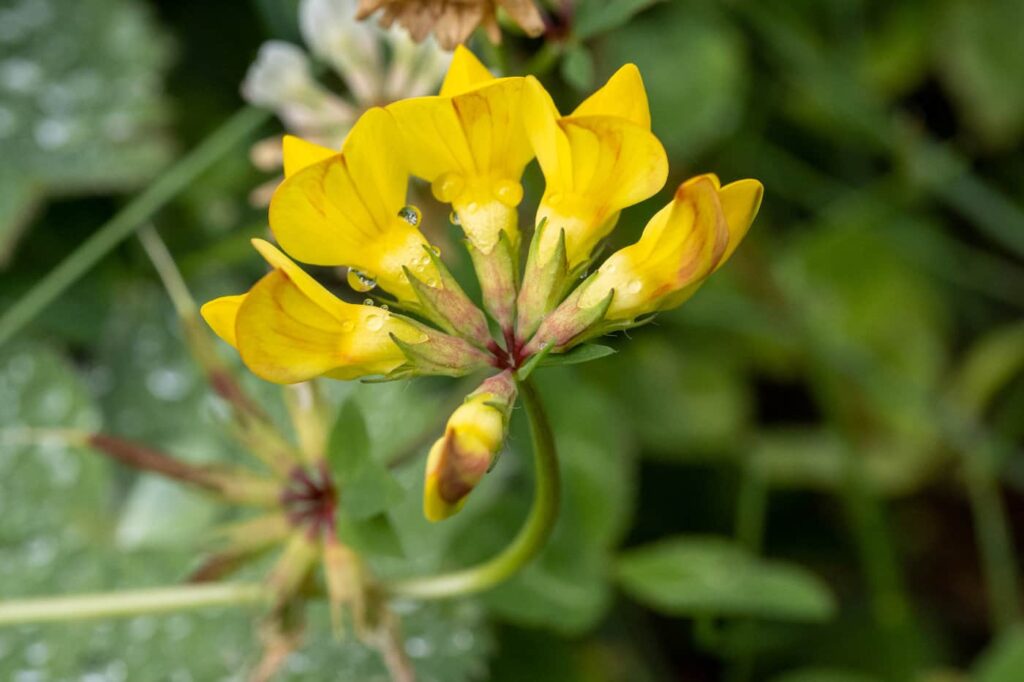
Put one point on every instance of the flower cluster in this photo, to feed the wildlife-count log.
(472, 143)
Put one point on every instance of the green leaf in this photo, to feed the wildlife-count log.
(979, 57)
(582, 353)
(578, 67)
(692, 60)
(366, 486)
(598, 16)
(373, 536)
(1003, 661)
(708, 576)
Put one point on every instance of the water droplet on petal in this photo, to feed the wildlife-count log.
(435, 250)
(634, 286)
(360, 281)
(384, 307)
(509, 192)
(368, 301)
(348, 326)
(411, 215)
(375, 322)
(454, 218)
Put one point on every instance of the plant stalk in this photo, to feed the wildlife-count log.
(532, 536)
(130, 603)
(225, 138)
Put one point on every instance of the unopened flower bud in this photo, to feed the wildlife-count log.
(472, 438)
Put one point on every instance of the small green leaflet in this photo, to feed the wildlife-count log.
(365, 486)
(710, 576)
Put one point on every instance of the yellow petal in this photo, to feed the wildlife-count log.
(623, 96)
(289, 328)
(220, 314)
(299, 153)
(344, 210)
(740, 203)
(549, 142)
(612, 164)
(377, 165)
(464, 73)
(477, 134)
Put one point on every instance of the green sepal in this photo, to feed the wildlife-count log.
(535, 360)
(498, 274)
(544, 284)
(584, 352)
(440, 355)
(448, 306)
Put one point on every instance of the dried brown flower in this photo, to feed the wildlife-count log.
(452, 21)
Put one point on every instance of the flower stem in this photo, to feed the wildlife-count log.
(129, 219)
(130, 603)
(532, 536)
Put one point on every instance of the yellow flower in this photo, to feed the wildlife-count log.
(473, 436)
(682, 244)
(349, 209)
(472, 143)
(289, 328)
(469, 142)
(596, 162)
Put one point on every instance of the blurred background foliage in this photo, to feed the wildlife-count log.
(810, 473)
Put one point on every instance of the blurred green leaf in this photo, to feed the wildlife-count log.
(80, 99)
(1003, 661)
(979, 52)
(694, 69)
(598, 16)
(684, 397)
(578, 67)
(708, 576)
(374, 536)
(366, 488)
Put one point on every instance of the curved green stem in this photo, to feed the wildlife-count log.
(532, 536)
(130, 603)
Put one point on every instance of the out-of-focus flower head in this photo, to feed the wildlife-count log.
(452, 21)
(377, 66)
(472, 142)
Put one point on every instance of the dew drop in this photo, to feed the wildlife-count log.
(368, 301)
(411, 215)
(360, 281)
(348, 326)
(384, 307)
(375, 322)
(453, 217)
(418, 647)
(634, 286)
(435, 250)
(168, 384)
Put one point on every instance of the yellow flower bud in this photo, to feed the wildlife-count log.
(473, 437)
